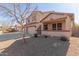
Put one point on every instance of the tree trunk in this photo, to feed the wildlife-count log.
(23, 34)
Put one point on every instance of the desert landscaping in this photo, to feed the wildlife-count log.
(40, 47)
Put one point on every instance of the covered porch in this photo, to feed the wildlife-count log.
(56, 27)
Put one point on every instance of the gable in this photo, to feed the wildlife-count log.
(36, 16)
(43, 16)
(54, 17)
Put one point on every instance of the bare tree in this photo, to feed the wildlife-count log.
(17, 12)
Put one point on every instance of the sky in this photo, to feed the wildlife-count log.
(62, 7)
(57, 7)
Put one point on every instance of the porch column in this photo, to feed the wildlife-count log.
(49, 27)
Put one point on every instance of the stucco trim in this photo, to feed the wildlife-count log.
(46, 17)
(33, 23)
(57, 30)
(55, 21)
(31, 26)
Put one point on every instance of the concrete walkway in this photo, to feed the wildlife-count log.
(74, 47)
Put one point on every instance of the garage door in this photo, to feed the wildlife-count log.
(31, 30)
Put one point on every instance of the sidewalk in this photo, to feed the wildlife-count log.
(5, 44)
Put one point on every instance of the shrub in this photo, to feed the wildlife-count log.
(46, 36)
(35, 35)
(63, 38)
(10, 30)
(7, 30)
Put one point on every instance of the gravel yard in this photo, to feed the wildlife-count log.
(40, 46)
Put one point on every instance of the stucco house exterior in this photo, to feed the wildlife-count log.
(50, 23)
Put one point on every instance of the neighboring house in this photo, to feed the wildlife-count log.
(50, 23)
(18, 27)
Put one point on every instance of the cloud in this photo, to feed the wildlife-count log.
(73, 4)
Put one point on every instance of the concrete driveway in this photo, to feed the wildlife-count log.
(74, 47)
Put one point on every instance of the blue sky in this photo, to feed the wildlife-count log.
(57, 7)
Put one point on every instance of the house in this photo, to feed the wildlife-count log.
(50, 23)
(18, 27)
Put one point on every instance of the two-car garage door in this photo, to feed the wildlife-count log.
(31, 30)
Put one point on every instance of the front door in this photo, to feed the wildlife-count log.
(39, 30)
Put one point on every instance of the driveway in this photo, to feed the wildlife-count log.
(74, 47)
(40, 46)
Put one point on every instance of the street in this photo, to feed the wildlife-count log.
(8, 36)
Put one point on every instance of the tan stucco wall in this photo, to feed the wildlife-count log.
(67, 25)
(63, 26)
(56, 33)
(38, 16)
(54, 17)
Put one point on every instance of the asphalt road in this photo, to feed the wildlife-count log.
(8, 36)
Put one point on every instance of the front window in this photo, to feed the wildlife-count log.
(45, 27)
(54, 26)
(59, 26)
